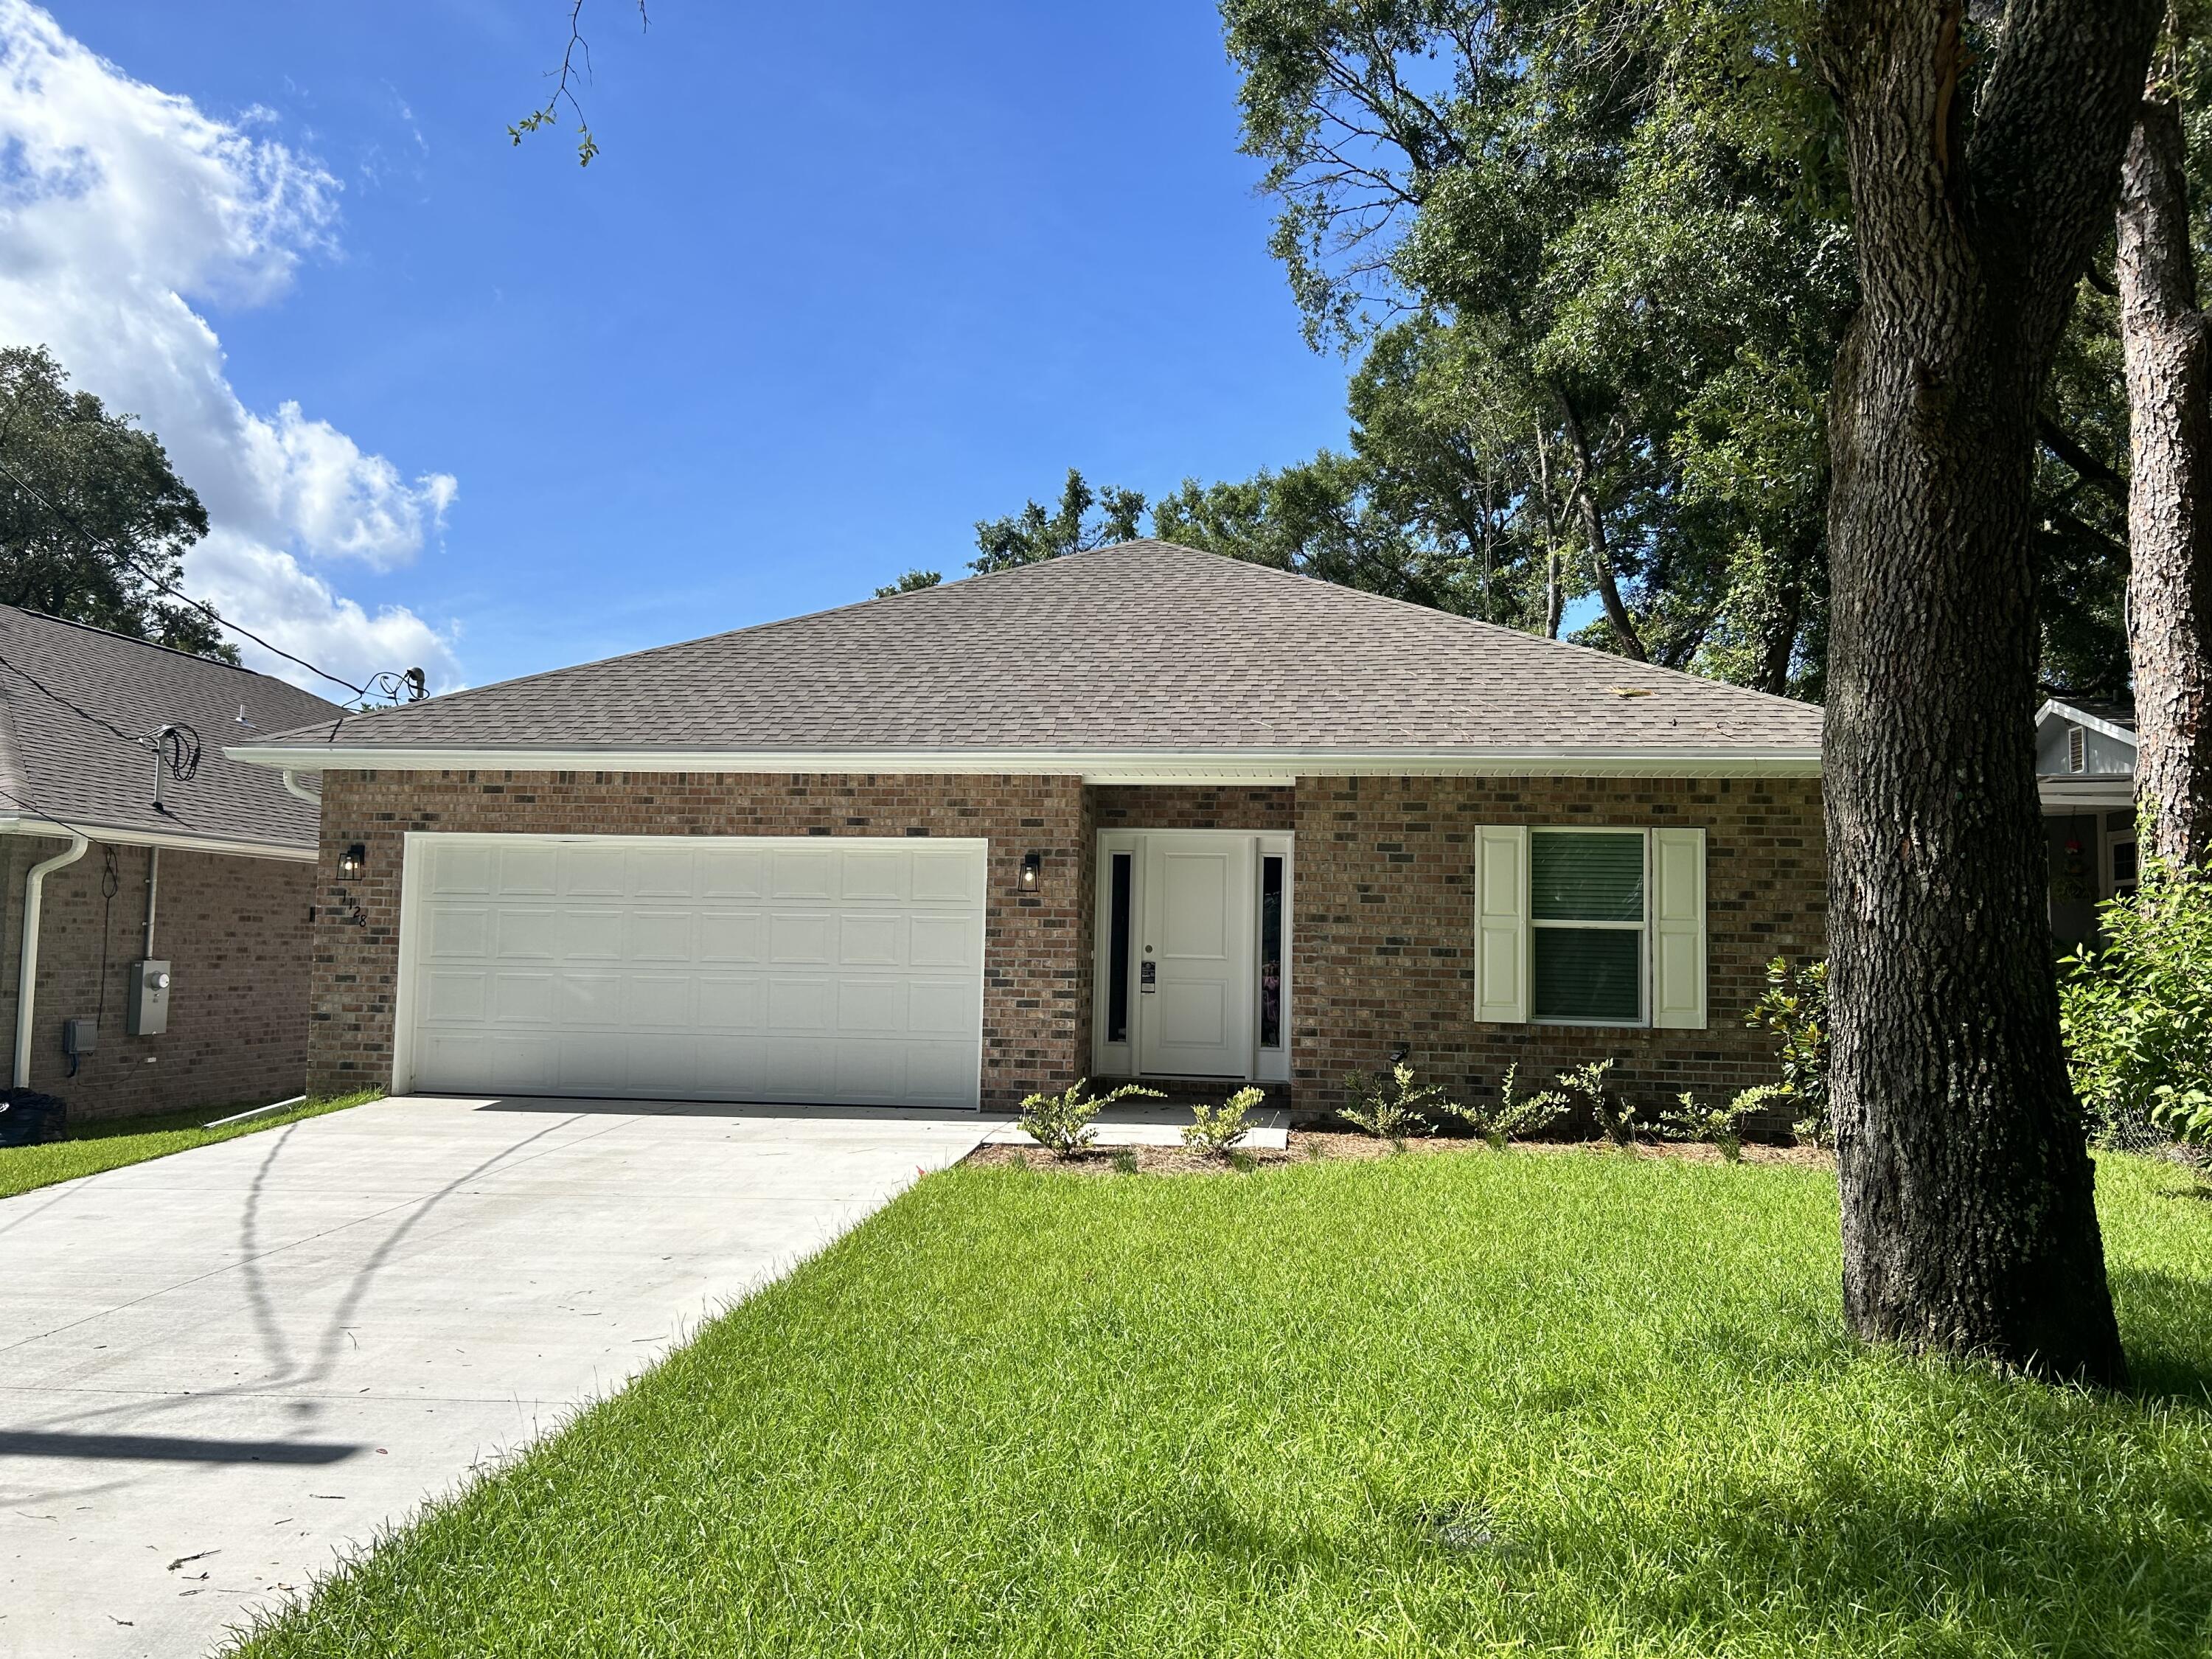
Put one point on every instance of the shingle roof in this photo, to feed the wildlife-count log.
(57, 764)
(1140, 647)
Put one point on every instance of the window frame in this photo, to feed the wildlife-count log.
(1643, 928)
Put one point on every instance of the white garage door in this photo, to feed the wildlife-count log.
(834, 969)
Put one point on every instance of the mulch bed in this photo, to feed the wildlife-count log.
(1322, 1146)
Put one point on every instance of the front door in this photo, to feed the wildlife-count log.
(1195, 961)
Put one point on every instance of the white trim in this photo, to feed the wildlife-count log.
(2091, 792)
(414, 849)
(2082, 717)
(1255, 767)
(108, 836)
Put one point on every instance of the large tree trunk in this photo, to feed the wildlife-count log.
(1969, 1224)
(2169, 361)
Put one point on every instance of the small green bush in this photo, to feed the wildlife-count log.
(1721, 1125)
(1498, 1122)
(1616, 1117)
(2137, 1014)
(1372, 1108)
(1795, 1008)
(1217, 1128)
(1061, 1122)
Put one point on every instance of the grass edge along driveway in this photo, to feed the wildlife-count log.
(1528, 1402)
(112, 1143)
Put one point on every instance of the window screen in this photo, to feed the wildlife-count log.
(1586, 904)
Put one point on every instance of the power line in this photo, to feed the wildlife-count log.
(82, 712)
(131, 559)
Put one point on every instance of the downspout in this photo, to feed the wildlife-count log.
(26, 986)
(153, 887)
(294, 787)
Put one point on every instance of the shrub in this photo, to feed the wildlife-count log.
(1371, 1108)
(1063, 1122)
(1498, 1122)
(1796, 1009)
(2137, 1014)
(1585, 1085)
(1217, 1128)
(1125, 1160)
(1722, 1125)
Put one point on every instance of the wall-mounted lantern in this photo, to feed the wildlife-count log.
(1032, 871)
(352, 866)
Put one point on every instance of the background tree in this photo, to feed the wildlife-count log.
(912, 582)
(1983, 162)
(2167, 346)
(1035, 534)
(91, 514)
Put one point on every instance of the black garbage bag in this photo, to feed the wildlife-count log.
(28, 1118)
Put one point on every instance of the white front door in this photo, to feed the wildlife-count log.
(1195, 961)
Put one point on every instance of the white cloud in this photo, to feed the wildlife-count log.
(121, 205)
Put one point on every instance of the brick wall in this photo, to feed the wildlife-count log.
(235, 932)
(1383, 929)
(1037, 973)
(1193, 806)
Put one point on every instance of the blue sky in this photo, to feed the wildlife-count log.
(840, 282)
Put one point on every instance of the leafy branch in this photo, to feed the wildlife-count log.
(575, 67)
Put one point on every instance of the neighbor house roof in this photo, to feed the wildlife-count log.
(63, 685)
(2114, 720)
(1139, 659)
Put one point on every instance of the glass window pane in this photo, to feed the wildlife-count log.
(1270, 951)
(1577, 876)
(1117, 951)
(1587, 973)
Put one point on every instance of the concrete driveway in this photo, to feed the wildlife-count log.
(220, 1369)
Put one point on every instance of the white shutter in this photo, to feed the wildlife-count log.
(1678, 929)
(1501, 924)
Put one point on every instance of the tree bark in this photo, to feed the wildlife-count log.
(2169, 367)
(1593, 523)
(1969, 1219)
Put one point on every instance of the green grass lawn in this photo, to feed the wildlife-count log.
(1524, 1403)
(111, 1145)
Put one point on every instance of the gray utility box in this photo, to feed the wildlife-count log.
(80, 1036)
(148, 1013)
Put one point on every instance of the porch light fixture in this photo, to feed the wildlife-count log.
(1032, 871)
(355, 861)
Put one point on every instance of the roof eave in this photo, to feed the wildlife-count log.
(1245, 765)
(2083, 717)
(116, 835)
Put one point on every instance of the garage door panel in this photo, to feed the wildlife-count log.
(838, 969)
(522, 999)
(874, 938)
(732, 936)
(657, 936)
(799, 937)
(876, 1006)
(946, 876)
(588, 999)
(731, 1004)
(458, 996)
(801, 1004)
(460, 932)
(801, 873)
(941, 941)
(529, 870)
(593, 873)
(872, 877)
(526, 933)
(659, 1000)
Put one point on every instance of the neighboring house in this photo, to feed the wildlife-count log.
(1138, 813)
(2085, 772)
(211, 884)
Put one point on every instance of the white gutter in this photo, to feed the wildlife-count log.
(12, 825)
(1257, 766)
(294, 787)
(27, 983)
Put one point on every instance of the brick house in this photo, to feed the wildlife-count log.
(129, 875)
(1139, 812)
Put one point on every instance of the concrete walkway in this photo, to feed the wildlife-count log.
(221, 1370)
